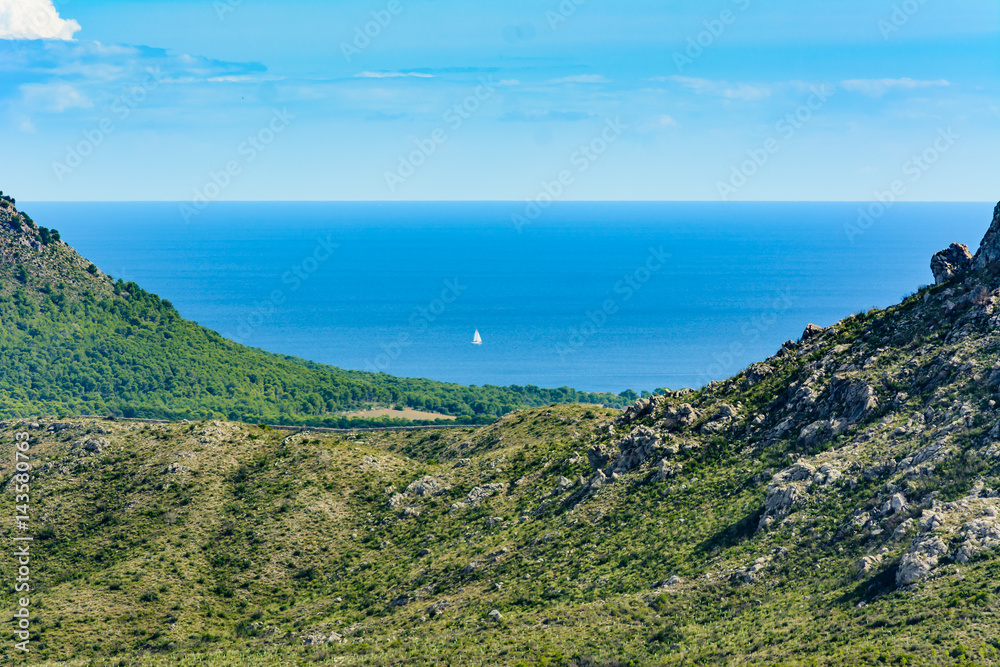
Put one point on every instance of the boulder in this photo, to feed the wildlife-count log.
(495, 615)
(667, 470)
(989, 250)
(427, 486)
(598, 457)
(918, 564)
(481, 493)
(636, 448)
(642, 408)
(811, 331)
(858, 398)
(95, 446)
(947, 264)
(678, 417)
(564, 485)
(781, 500)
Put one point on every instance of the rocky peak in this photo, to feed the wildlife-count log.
(950, 262)
(989, 250)
(956, 259)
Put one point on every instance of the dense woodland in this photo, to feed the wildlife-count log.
(72, 341)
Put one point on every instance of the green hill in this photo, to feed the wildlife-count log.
(837, 504)
(72, 341)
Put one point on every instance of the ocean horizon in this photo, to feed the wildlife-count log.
(598, 296)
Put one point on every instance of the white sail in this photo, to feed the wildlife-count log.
(477, 339)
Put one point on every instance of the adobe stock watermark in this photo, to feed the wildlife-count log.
(714, 29)
(562, 13)
(420, 321)
(581, 161)
(902, 14)
(913, 169)
(453, 119)
(786, 130)
(365, 35)
(624, 290)
(21, 483)
(248, 151)
(225, 7)
(121, 108)
(726, 360)
(293, 279)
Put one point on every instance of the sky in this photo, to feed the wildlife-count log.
(395, 100)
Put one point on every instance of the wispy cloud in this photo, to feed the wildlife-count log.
(393, 75)
(34, 19)
(736, 91)
(582, 78)
(879, 87)
(57, 97)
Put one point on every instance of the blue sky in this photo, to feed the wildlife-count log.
(726, 99)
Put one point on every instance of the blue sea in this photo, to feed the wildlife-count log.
(595, 296)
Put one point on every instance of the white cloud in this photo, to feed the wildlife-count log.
(34, 19)
(582, 78)
(738, 91)
(392, 75)
(879, 87)
(509, 82)
(56, 97)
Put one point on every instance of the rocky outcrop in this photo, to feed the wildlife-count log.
(678, 417)
(427, 486)
(989, 251)
(858, 398)
(644, 407)
(782, 499)
(811, 331)
(636, 448)
(951, 262)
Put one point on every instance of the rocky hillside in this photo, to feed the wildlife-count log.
(74, 341)
(836, 504)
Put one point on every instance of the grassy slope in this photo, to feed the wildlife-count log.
(298, 534)
(74, 342)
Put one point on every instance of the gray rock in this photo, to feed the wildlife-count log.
(427, 486)
(96, 446)
(826, 475)
(597, 481)
(636, 448)
(642, 408)
(811, 331)
(858, 397)
(598, 457)
(495, 615)
(678, 417)
(481, 493)
(951, 262)
(667, 470)
(781, 500)
(799, 472)
(564, 485)
(988, 255)
(923, 556)
(895, 504)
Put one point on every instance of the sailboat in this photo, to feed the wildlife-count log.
(477, 339)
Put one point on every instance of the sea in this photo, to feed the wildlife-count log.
(594, 296)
